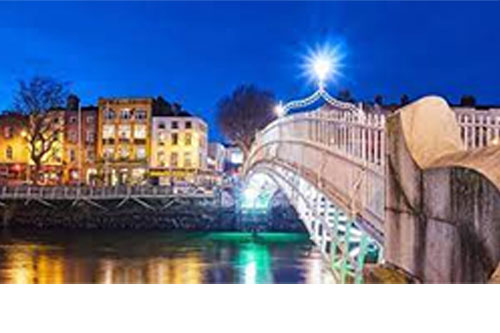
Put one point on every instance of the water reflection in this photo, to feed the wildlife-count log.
(158, 257)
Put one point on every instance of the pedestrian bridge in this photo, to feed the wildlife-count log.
(331, 162)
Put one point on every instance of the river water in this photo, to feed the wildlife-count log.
(158, 257)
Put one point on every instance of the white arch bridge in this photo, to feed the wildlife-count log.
(331, 164)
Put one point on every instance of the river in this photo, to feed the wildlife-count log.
(158, 257)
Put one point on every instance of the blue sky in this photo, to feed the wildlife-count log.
(195, 53)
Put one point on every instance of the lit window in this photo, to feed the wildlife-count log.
(161, 158)
(124, 152)
(140, 131)
(174, 159)
(175, 139)
(108, 131)
(187, 139)
(125, 131)
(7, 132)
(109, 152)
(90, 155)
(9, 153)
(141, 153)
(90, 119)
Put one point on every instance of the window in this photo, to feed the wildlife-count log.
(90, 136)
(174, 159)
(140, 114)
(140, 131)
(125, 114)
(109, 152)
(161, 138)
(72, 120)
(187, 139)
(108, 131)
(9, 153)
(161, 125)
(161, 158)
(188, 125)
(109, 114)
(125, 131)
(90, 119)
(90, 155)
(7, 132)
(124, 152)
(141, 153)
(72, 137)
(187, 160)
(175, 124)
(72, 155)
(175, 139)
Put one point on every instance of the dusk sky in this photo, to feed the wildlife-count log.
(195, 53)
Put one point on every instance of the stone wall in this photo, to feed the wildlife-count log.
(443, 203)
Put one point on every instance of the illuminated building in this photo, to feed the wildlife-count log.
(80, 151)
(178, 147)
(14, 152)
(123, 139)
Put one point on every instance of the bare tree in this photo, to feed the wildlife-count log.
(245, 112)
(345, 95)
(40, 100)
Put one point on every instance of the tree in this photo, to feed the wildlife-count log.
(39, 100)
(242, 114)
(345, 96)
(468, 100)
(379, 99)
(404, 100)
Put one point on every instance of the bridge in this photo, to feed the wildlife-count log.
(367, 185)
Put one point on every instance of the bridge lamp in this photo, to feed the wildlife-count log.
(322, 67)
(279, 110)
(323, 63)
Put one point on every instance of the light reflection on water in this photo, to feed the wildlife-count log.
(158, 257)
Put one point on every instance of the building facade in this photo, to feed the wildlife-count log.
(179, 148)
(123, 139)
(14, 152)
(80, 143)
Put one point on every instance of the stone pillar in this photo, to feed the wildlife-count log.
(442, 202)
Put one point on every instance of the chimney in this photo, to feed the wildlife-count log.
(72, 103)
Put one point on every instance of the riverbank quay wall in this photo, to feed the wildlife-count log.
(442, 201)
(137, 208)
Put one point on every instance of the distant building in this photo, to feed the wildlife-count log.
(234, 160)
(216, 156)
(178, 147)
(123, 139)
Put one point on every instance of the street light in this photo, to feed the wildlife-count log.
(279, 110)
(323, 64)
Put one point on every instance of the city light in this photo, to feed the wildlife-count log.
(323, 64)
(279, 110)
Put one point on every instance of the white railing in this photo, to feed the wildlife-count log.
(356, 135)
(479, 128)
(111, 192)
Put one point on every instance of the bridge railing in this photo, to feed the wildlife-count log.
(73, 192)
(479, 128)
(356, 135)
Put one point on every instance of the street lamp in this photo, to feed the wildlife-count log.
(323, 64)
(279, 110)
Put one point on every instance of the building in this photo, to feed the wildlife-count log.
(80, 149)
(234, 160)
(123, 139)
(216, 157)
(14, 152)
(179, 147)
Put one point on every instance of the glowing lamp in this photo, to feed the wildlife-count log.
(279, 110)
